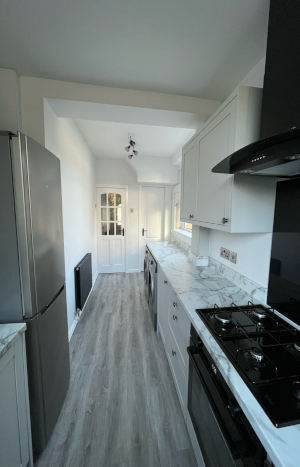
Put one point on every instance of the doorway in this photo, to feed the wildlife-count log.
(111, 223)
(151, 225)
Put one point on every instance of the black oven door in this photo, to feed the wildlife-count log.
(219, 439)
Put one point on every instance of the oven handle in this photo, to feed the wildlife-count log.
(237, 448)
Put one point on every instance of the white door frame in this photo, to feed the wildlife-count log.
(108, 185)
(140, 214)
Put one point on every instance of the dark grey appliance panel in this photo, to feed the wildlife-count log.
(46, 221)
(11, 309)
(48, 368)
(55, 360)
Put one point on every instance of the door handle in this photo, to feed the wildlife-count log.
(123, 232)
(143, 232)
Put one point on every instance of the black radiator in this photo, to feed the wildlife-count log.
(83, 280)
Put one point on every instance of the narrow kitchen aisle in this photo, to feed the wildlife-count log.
(122, 408)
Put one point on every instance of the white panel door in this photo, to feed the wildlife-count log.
(189, 182)
(152, 217)
(111, 211)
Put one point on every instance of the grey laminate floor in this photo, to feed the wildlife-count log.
(122, 408)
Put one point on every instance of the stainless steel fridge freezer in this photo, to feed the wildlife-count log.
(32, 272)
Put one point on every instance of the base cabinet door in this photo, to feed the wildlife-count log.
(163, 289)
(15, 433)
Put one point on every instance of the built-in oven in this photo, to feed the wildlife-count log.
(224, 434)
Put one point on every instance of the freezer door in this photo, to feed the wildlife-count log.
(44, 199)
(48, 368)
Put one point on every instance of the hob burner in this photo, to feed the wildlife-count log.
(223, 318)
(256, 354)
(258, 313)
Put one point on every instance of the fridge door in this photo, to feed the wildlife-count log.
(48, 368)
(11, 309)
(44, 199)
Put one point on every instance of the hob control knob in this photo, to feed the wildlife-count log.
(296, 389)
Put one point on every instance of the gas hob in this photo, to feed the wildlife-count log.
(265, 350)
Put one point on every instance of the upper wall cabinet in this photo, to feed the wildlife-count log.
(189, 181)
(232, 203)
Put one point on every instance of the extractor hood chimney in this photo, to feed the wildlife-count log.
(277, 153)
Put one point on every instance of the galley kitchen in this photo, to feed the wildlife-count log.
(150, 230)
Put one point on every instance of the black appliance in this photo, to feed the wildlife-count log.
(277, 153)
(265, 351)
(284, 275)
(224, 434)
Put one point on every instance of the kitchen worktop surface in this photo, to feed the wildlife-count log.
(9, 334)
(202, 287)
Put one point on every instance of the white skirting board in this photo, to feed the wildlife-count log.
(77, 317)
(131, 271)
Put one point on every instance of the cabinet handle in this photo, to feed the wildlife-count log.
(165, 282)
(174, 304)
(173, 353)
(191, 216)
(224, 220)
(174, 317)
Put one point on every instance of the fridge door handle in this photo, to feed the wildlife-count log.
(43, 310)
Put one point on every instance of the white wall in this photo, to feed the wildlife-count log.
(151, 169)
(120, 172)
(78, 196)
(253, 253)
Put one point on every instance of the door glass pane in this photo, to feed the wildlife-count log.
(111, 214)
(103, 214)
(111, 199)
(111, 228)
(118, 228)
(104, 228)
(119, 214)
(104, 199)
(118, 199)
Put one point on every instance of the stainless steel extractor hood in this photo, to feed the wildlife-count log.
(277, 153)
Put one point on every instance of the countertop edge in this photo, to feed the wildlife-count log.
(9, 334)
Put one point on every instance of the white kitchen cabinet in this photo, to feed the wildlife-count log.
(163, 290)
(15, 435)
(232, 203)
(189, 181)
(174, 326)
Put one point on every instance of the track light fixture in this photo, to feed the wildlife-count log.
(131, 145)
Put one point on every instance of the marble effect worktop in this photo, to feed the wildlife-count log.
(9, 333)
(202, 287)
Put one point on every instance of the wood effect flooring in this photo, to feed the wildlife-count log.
(121, 409)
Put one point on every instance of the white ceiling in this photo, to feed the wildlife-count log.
(200, 48)
(109, 139)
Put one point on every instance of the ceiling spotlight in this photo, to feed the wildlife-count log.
(127, 148)
(130, 156)
(135, 152)
(132, 143)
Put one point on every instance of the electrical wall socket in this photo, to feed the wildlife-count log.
(225, 253)
(233, 257)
